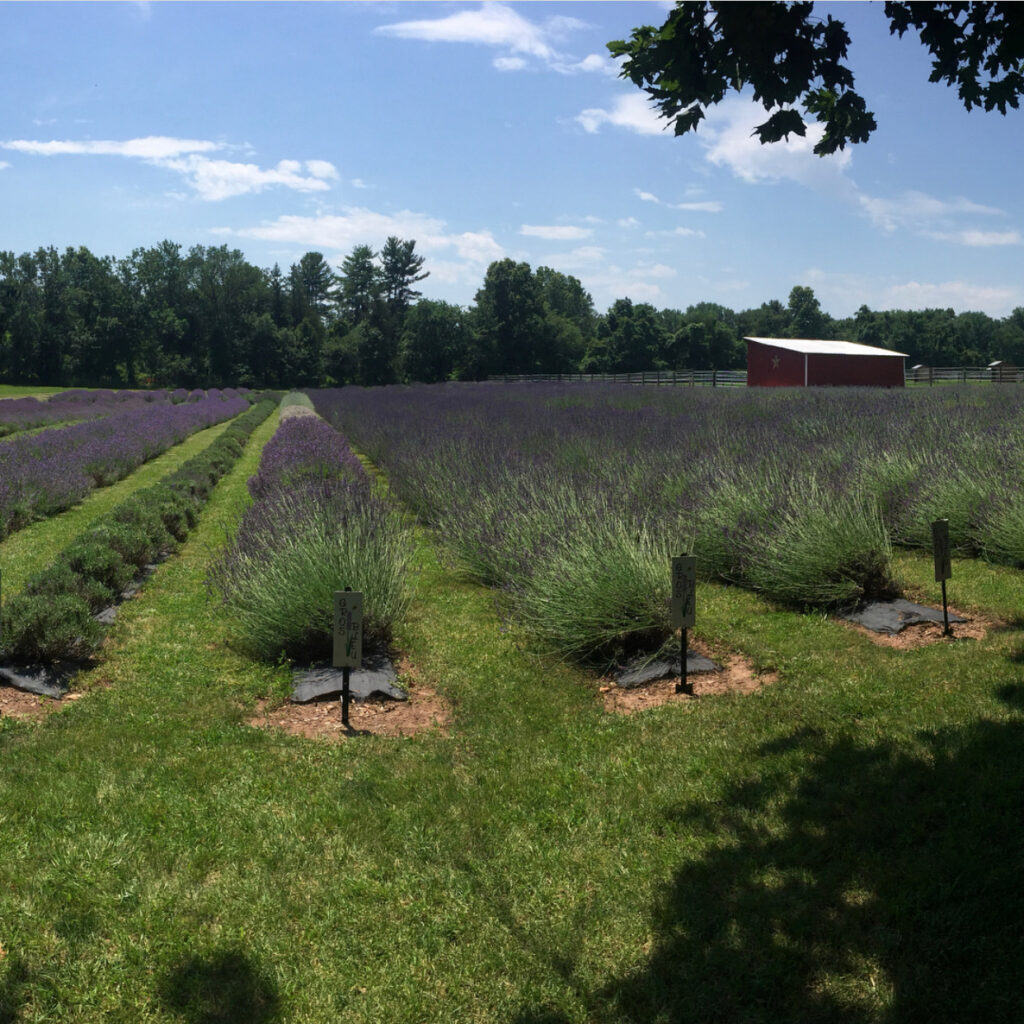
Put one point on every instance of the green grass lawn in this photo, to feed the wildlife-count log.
(20, 391)
(843, 845)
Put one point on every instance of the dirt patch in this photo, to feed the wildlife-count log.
(424, 710)
(737, 676)
(911, 638)
(16, 703)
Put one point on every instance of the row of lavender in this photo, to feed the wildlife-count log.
(315, 526)
(573, 499)
(17, 414)
(45, 473)
(55, 617)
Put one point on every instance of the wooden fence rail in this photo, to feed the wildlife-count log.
(738, 378)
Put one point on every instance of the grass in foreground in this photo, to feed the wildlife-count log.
(843, 846)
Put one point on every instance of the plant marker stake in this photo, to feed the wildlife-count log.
(348, 640)
(683, 610)
(943, 565)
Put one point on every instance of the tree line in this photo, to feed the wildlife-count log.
(207, 317)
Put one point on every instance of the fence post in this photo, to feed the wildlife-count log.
(714, 378)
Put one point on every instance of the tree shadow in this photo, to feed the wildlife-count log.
(876, 883)
(222, 988)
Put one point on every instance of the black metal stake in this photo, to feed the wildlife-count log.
(683, 686)
(945, 612)
(344, 696)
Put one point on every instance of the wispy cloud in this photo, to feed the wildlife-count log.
(212, 179)
(918, 210)
(677, 233)
(630, 111)
(151, 147)
(525, 42)
(358, 226)
(729, 143)
(556, 232)
(696, 206)
(880, 292)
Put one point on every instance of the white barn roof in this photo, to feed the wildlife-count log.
(826, 348)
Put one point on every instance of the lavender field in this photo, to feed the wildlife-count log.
(571, 498)
(44, 473)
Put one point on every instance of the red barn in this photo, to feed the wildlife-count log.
(796, 362)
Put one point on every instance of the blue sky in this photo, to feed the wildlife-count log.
(487, 131)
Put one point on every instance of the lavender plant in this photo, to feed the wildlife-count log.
(315, 526)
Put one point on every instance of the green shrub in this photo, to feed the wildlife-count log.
(48, 627)
(60, 578)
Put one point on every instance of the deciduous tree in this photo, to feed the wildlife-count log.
(790, 59)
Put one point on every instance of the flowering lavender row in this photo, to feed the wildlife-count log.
(78, 404)
(48, 472)
(798, 494)
(18, 414)
(315, 526)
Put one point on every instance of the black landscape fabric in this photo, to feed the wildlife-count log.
(892, 616)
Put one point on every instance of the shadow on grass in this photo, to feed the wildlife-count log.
(891, 892)
(222, 988)
(873, 883)
(14, 991)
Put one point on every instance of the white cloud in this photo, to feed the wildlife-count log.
(729, 143)
(677, 232)
(842, 294)
(709, 206)
(976, 238)
(152, 147)
(698, 206)
(727, 136)
(963, 296)
(359, 183)
(4, 165)
(628, 222)
(630, 111)
(221, 179)
(917, 210)
(360, 226)
(600, 63)
(492, 24)
(212, 179)
(555, 232)
(322, 169)
(501, 26)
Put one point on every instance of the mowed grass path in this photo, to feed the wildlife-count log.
(841, 846)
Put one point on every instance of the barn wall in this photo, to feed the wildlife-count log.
(855, 371)
(762, 370)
